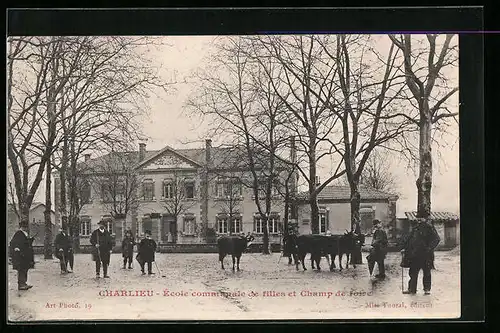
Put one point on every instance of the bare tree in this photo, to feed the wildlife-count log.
(247, 113)
(377, 174)
(430, 89)
(117, 182)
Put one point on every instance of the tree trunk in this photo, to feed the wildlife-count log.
(314, 215)
(424, 181)
(312, 190)
(356, 257)
(24, 214)
(47, 243)
(75, 233)
(265, 237)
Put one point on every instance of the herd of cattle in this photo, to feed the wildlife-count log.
(297, 247)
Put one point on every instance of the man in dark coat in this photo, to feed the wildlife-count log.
(64, 250)
(23, 259)
(102, 246)
(128, 249)
(146, 252)
(418, 254)
(378, 250)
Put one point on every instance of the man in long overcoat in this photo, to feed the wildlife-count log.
(102, 246)
(146, 252)
(378, 250)
(418, 254)
(64, 250)
(128, 249)
(23, 259)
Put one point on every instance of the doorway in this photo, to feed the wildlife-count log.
(169, 229)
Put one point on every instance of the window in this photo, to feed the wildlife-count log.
(222, 224)
(85, 227)
(120, 192)
(189, 189)
(148, 187)
(147, 224)
(323, 221)
(228, 188)
(106, 191)
(273, 224)
(236, 225)
(85, 193)
(189, 225)
(168, 189)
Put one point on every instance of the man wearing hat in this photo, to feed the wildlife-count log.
(378, 250)
(64, 250)
(418, 254)
(146, 252)
(23, 259)
(102, 246)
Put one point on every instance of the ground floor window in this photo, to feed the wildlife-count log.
(189, 225)
(85, 228)
(236, 225)
(273, 224)
(222, 224)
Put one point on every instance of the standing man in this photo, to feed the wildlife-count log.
(64, 250)
(102, 246)
(418, 254)
(146, 252)
(23, 259)
(378, 250)
(128, 249)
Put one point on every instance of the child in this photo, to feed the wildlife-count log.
(128, 249)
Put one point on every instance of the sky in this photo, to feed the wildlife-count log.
(168, 124)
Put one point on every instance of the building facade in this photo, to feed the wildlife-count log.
(335, 210)
(179, 194)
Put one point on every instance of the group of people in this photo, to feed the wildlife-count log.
(418, 252)
(22, 254)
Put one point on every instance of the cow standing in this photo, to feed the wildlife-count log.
(233, 245)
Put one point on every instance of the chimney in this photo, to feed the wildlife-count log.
(208, 148)
(317, 181)
(87, 157)
(142, 151)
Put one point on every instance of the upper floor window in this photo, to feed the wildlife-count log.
(189, 188)
(168, 189)
(228, 188)
(85, 192)
(106, 191)
(148, 189)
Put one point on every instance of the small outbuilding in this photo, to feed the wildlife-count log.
(446, 223)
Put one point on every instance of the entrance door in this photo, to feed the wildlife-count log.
(173, 230)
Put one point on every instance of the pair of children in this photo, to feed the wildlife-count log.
(146, 251)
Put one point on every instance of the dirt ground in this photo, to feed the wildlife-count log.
(194, 287)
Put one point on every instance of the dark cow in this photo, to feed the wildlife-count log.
(323, 245)
(233, 245)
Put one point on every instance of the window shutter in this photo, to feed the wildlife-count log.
(327, 219)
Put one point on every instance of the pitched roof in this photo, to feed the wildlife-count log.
(435, 216)
(337, 192)
(221, 157)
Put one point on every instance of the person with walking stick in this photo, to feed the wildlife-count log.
(418, 254)
(146, 252)
(64, 250)
(102, 244)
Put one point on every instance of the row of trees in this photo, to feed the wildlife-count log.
(343, 97)
(69, 96)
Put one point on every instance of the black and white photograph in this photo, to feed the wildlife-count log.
(233, 177)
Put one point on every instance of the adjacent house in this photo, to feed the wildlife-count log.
(177, 194)
(446, 224)
(37, 222)
(335, 210)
